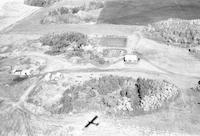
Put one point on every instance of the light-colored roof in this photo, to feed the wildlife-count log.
(131, 57)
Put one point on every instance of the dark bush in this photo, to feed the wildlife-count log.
(59, 11)
(95, 5)
(146, 87)
(75, 10)
(18, 79)
(40, 3)
(105, 84)
(66, 104)
(63, 10)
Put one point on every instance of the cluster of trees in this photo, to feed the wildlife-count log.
(59, 11)
(104, 86)
(120, 93)
(72, 45)
(60, 42)
(178, 33)
(162, 93)
(147, 87)
(69, 15)
(62, 15)
(40, 3)
(196, 88)
(97, 4)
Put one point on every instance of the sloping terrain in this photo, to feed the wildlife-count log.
(12, 11)
(143, 12)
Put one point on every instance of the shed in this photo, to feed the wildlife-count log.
(131, 59)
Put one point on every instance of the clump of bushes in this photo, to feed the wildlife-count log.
(40, 3)
(59, 11)
(70, 15)
(114, 93)
(165, 91)
(67, 105)
(95, 5)
(196, 88)
(195, 52)
(108, 89)
(179, 33)
(105, 84)
(153, 94)
(62, 15)
(123, 93)
(72, 45)
(18, 79)
(59, 43)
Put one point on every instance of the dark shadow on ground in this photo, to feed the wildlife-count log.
(143, 12)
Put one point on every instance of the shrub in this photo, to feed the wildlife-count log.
(179, 33)
(196, 88)
(95, 5)
(75, 53)
(97, 60)
(40, 3)
(125, 104)
(75, 10)
(146, 86)
(63, 10)
(120, 93)
(165, 92)
(59, 11)
(105, 84)
(89, 18)
(70, 15)
(18, 79)
(66, 104)
(110, 101)
(59, 42)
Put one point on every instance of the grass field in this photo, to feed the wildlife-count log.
(143, 12)
(113, 42)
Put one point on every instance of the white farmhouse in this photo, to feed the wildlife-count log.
(131, 59)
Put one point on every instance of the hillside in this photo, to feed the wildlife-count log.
(143, 12)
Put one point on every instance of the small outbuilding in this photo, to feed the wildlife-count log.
(21, 73)
(131, 59)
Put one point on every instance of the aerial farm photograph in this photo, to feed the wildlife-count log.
(99, 67)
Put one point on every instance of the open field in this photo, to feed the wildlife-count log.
(143, 12)
(10, 14)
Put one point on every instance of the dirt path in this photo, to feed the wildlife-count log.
(28, 91)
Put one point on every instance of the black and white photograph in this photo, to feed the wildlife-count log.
(99, 67)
